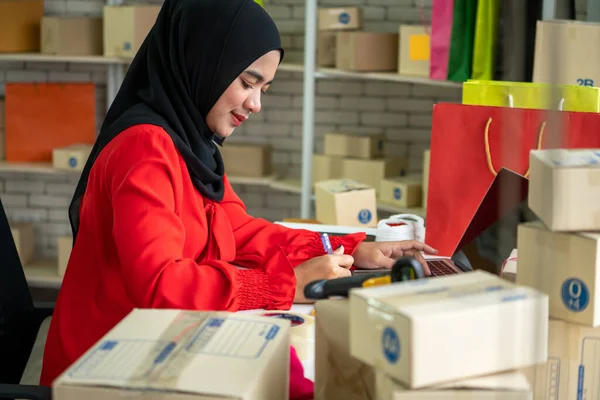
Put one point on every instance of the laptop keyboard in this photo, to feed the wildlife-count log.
(438, 268)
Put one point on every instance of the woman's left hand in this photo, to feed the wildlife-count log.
(373, 255)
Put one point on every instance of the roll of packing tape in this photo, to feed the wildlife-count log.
(401, 227)
(302, 332)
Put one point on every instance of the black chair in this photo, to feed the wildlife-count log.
(20, 321)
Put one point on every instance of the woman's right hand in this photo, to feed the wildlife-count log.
(329, 266)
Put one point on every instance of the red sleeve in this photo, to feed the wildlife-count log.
(143, 176)
(255, 236)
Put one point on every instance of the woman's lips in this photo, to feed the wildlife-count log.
(237, 119)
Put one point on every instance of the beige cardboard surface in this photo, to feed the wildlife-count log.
(426, 158)
(245, 159)
(345, 202)
(372, 172)
(326, 48)
(563, 265)
(409, 330)
(326, 167)
(403, 191)
(160, 354)
(353, 145)
(564, 188)
(339, 376)
(126, 27)
(71, 157)
(367, 51)
(340, 18)
(65, 35)
(413, 54)
(20, 25)
(24, 238)
(578, 44)
(65, 244)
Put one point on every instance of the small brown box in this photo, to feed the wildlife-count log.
(126, 27)
(404, 191)
(24, 238)
(326, 48)
(345, 202)
(372, 172)
(247, 159)
(326, 167)
(77, 36)
(340, 18)
(20, 25)
(367, 51)
(71, 157)
(353, 145)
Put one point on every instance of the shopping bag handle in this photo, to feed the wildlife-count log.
(488, 153)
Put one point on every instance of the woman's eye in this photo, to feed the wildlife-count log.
(246, 85)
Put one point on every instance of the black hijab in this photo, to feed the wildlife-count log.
(194, 51)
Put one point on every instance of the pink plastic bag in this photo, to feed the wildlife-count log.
(441, 31)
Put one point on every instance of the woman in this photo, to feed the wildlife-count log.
(155, 221)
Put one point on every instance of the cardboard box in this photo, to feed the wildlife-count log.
(372, 172)
(402, 191)
(414, 51)
(20, 25)
(65, 245)
(325, 168)
(326, 48)
(505, 386)
(509, 269)
(340, 18)
(366, 51)
(578, 44)
(426, 158)
(564, 188)
(345, 202)
(353, 145)
(24, 238)
(242, 159)
(126, 27)
(339, 376)
(71, 157)
(2, 132)
(66, 35)
(180, 355)
(566, 266)
(433, 331)
(571, 372)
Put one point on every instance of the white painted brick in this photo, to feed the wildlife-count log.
(408, 14)
(293, 2)
(419, 120)
(286, 42)
(337, 3)
(287, 143)
(281, 157)
(280, 199)
(284, 116)
(54, 228)
(362, 103)
(55, 7)
(294, 57)
(321, 102)
(436, 92)
(46, 253)
(14, 200)
(296, 158)
(92, 8)
(99, 77)
(9, 175)
(383, 119)
(49, 201)
(286, 87)
(253, 200)
(408, 105)
(298, 12)
(269, 129)
(290, 26)
(338, 87)
(60, 188)
(372, 88)
(374, 13)
(279, 11)
(69, 76)
(2, 184)
(26, 76)
(319, 130)
(276, 101)
(45, 66)
(24, 186)
(417, 149)
(336, 117)
(409, 134)
(58, 215)
(361, 129)
(382, 26)
(318, 145)
(298, 42)
(22, 214)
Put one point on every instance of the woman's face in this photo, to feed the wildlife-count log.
(242, 97)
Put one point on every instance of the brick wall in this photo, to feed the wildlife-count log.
(401, 111)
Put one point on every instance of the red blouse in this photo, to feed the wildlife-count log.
(148, 239)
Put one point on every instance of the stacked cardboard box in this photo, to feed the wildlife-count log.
(247, 159)
(331, 21)
(560, 255)
(459, 336)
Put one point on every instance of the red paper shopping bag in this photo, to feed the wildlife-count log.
(469, 146)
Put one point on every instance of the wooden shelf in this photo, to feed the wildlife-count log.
(376, 76)
(43, 274)
(38, 57)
